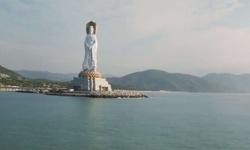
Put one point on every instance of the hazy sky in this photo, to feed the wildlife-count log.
(186, 36)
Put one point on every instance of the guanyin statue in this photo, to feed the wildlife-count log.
(90, 46)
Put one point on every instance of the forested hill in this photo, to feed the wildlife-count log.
(239, 83)
(161, 80)
(46, 75)
(152, 79)
(11, 78)
(6, 73)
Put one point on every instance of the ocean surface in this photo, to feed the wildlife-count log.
(164, 121)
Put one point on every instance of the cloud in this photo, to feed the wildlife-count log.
(187, 37)
(192, 36)
(152, 16)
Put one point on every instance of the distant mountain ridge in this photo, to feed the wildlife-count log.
(6, 73)
(46, 75)
(160, 80)
(11, 78)
(50, 75)
(240, 83)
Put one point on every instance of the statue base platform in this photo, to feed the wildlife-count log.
(89, 81)
(89, 74)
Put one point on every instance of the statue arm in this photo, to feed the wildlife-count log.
(94, 41)
(89, 45)
(86, 42)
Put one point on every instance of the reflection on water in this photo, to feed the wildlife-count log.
(163, 121)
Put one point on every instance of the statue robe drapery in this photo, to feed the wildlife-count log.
(90, 59)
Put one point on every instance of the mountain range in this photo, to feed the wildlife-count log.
(50, 75)
(236, 83)
(46, 75)
(161, 80)
(9, 77)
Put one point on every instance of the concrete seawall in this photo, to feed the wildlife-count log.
(102, 94)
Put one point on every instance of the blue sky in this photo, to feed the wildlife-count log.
(192, 36)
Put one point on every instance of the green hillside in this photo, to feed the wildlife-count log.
(145, 80)
(161, 80)
(46, 75)
(8, 77)
(6, 73)
(240, 83)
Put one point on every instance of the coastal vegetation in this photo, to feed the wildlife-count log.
(160, 80)
(11, 78)
(152, 80)
(46, 75)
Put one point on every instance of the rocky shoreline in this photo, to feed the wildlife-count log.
(102, 94)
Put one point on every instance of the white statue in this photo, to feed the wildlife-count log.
(90, 46)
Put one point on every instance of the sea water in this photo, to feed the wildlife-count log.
(174, 121)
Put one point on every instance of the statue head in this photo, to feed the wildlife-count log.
(90, 25)
(90, 30)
